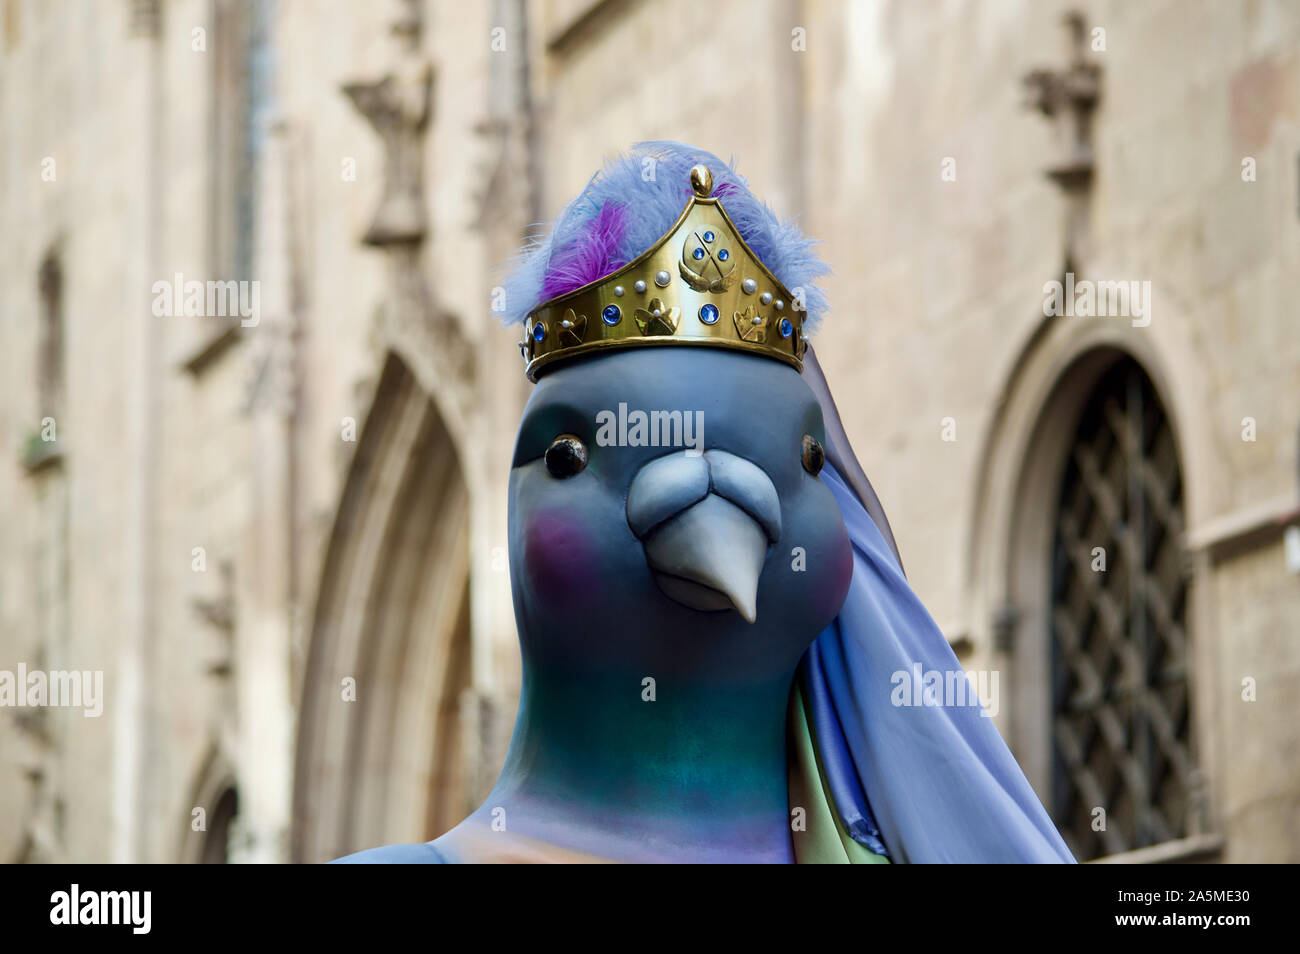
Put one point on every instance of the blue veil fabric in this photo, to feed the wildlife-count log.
(919, 783)
(933, 782)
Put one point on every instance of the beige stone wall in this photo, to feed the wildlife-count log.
(1254, 686)
(841, 113)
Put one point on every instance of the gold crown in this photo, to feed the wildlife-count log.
(698, 285)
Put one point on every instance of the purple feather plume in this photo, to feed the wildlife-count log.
(629, 205)
(590, 254)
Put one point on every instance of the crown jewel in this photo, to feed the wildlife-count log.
(700, 271)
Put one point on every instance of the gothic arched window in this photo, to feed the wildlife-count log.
(1121, 727)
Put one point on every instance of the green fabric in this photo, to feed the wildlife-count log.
(824, 839)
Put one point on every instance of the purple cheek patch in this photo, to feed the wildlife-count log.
(832, 586)
(560, 556)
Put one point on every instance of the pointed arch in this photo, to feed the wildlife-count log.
(216, 792)
(1052, 382)
(378, 759)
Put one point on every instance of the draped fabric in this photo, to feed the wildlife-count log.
(915, 770)
(818, 834)
(903, 754)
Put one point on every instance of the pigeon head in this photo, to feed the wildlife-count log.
(665, 504)
(666, 513)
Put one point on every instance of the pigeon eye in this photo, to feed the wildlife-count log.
(813, 455)
(566, 456)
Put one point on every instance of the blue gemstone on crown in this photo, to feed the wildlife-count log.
(708, 314)
(698, 253)
(611, 314)
(708, 236)
(539, 331)
(723, 255)
(787, 329)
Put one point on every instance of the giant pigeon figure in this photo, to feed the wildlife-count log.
(722, 658)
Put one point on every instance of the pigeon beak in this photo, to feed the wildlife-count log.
(707, 522)
(709, 557)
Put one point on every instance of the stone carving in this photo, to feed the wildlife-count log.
(1068, 97)
(399, 106)
(411, 321)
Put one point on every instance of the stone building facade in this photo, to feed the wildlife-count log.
(280, 536)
